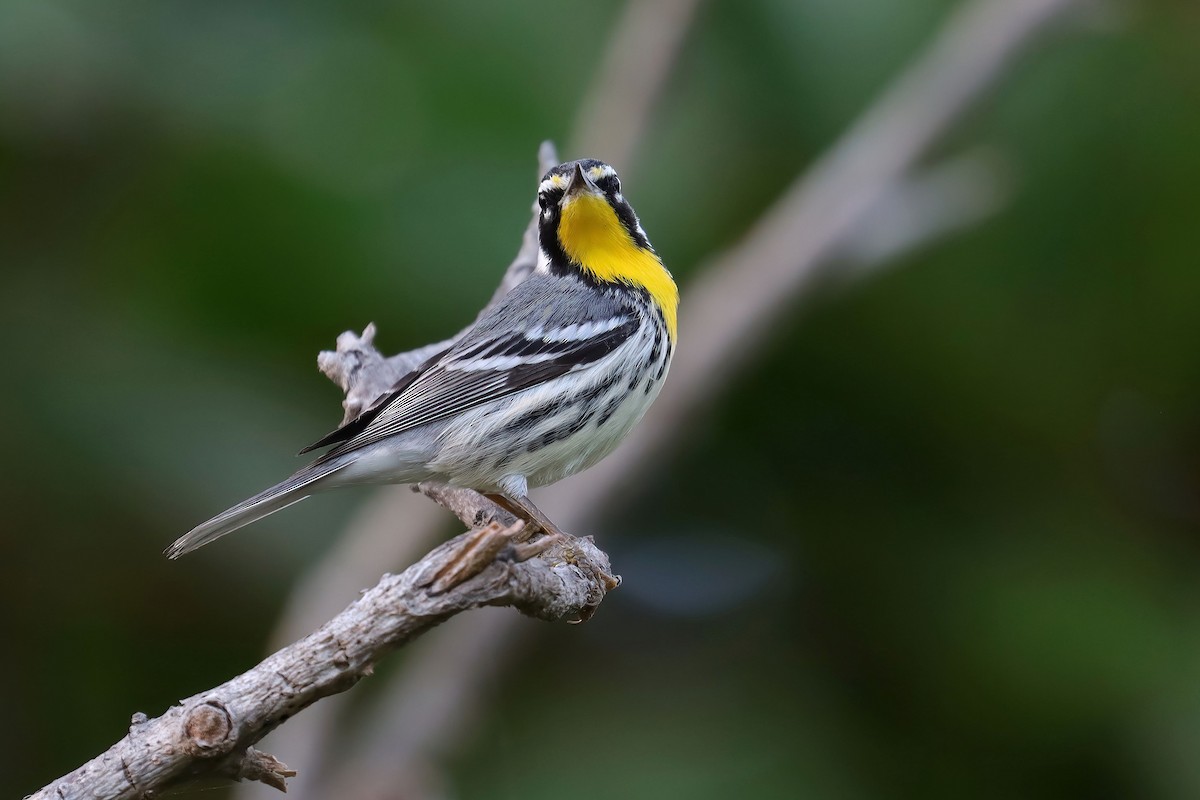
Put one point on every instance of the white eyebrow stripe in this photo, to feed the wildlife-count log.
(560, 181)
(553, 182)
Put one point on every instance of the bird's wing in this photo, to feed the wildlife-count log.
(359, 423)
(481, 368)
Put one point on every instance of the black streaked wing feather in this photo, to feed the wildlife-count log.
(443, 390)
(359, 423)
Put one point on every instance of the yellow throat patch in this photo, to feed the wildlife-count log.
(592, 236)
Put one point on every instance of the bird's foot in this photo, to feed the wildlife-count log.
(523, 551)
(610, 582)
(476, 554)
(571, 555)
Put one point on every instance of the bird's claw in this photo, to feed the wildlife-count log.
(610, 581)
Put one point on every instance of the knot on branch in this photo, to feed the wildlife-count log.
(208, 730)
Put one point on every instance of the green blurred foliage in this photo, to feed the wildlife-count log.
(940, 541)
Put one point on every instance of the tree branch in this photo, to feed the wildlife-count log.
(211, 733)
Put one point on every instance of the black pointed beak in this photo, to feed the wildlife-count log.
(580, 184)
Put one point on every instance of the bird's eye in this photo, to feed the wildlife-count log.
(610, 184)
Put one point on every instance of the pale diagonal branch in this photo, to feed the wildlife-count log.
(212, 733)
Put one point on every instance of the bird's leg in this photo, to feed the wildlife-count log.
(506, 504)
(521, 507)
(527, 511)
(524, 509)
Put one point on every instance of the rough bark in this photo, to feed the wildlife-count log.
(212, 733)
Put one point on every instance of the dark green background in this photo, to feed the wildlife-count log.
(969, 564)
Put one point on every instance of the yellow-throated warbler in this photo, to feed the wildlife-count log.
(545, 384)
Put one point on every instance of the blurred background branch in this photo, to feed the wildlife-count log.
(934, 537)
(642, 50)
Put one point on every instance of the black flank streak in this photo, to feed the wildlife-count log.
(530, 420)
(609, 410)
(558, 434)
(595, 391)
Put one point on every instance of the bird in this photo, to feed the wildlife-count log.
(544, 384)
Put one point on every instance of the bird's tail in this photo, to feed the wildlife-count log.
(278, 497)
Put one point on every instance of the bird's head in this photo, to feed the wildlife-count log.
(582, 208)
(586, 225)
